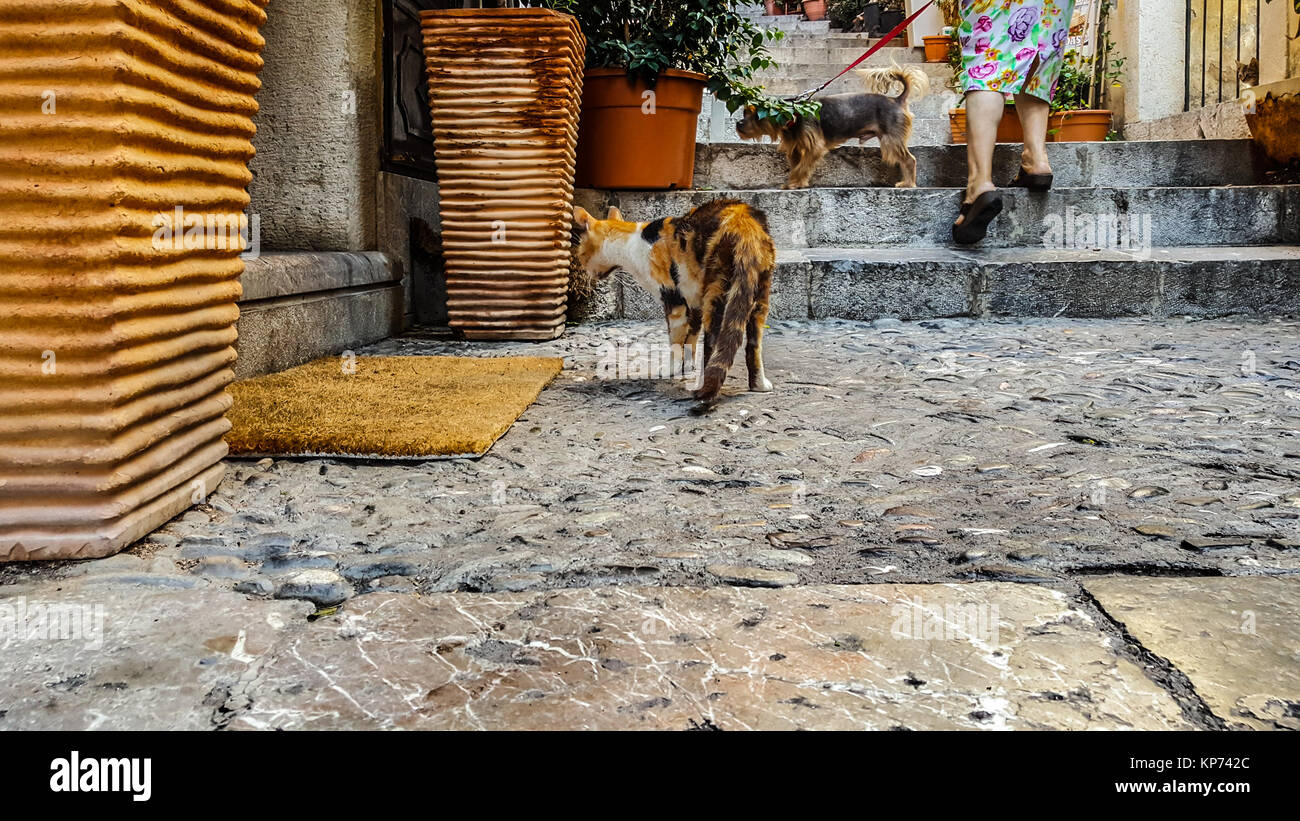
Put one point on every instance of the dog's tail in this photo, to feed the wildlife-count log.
(915, 82)
(751, 255)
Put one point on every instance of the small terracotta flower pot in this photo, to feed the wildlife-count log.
(627, 139)
(937, 48)
(1009, 129)
(814, 9)
(1088, 126)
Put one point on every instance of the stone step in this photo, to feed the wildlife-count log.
(805, 78)
(821, 51)
(794, 23)
(930, 133)
(1077, 165)
(930, 126)
(930, 283)
(720, 129)
(835, 39)
(937, 103)
(820, 67)
(919, 217)
(301, 305)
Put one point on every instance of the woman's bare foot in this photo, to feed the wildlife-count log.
(1031, 164)
(973, 193)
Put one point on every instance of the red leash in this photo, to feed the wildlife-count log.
(883, 41)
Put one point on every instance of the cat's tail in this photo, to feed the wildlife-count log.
(750, 248)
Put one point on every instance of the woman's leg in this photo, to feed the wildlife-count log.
(1033, 120)
(983, 113)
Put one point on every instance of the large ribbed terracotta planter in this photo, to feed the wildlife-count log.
(504, 90)
(116, 339)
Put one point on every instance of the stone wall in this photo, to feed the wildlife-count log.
(323, 283)
(318, 130)
(1150, 36)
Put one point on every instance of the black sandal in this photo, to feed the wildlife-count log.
(1034, 182)
(978, 215)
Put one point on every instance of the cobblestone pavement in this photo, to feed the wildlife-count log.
(941, 450)
(1043, 452)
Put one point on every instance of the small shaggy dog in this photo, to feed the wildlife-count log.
(845, 117)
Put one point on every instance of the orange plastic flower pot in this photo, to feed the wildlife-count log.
(936, 48)
(633, 135)
(1088, 126)
(1009, 129)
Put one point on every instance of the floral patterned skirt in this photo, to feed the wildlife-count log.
(1002, 39)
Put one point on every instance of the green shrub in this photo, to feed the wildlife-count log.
(710, 37)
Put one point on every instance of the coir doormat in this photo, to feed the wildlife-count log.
(385, 407)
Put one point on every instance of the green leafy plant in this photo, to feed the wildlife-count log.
(711, 37)
(1074, 87)
(843, 12)
(950, 10)
(1083, 79)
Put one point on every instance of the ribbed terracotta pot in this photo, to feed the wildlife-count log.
(638, 136)
(116, 334)
(504, 89)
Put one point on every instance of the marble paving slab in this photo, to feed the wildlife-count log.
(1237, 639)
(977, 656)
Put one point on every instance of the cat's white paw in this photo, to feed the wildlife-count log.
(762, 385)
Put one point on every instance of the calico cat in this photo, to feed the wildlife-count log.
(711, 268)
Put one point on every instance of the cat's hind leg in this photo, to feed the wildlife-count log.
(681, 336)
(758, 380)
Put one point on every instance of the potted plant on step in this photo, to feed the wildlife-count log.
(938, 46)
(1009, 128)
(648, 65)
(891, 14)
(1076, 116)
(814, 9)
(854, 15)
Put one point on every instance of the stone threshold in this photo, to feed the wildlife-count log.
(292, 273)
(301, 305)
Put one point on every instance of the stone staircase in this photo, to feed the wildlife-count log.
(1196, 232)
(1186, 228)
(805, 61)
